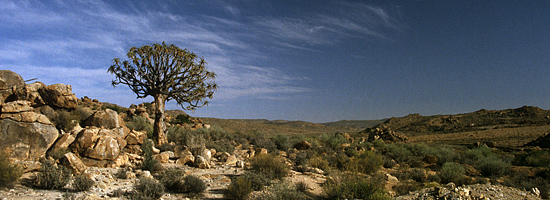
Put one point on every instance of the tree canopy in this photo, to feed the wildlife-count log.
(166, 73)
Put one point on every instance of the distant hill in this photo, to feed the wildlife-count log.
(275, 126)
(475, 121)
(358, 124)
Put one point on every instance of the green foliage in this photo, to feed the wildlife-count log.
(260, 140)
(472, 156)
(9, 172)
(65, 120)
(319, 162)
(114, 107)
(283, 191)
(366, 163)
(82, 182)
(352, 186)
(50, 176)
(182, 119)
(282, 142)
(536, 158)
(523, 181)
(56, 154)
(258, 181)
(140, 123)
(193, 184)
(122, 173)
(334, 141)
(451, 172)
(239, 189)
(176, 181)
(147, 188)
(149, 162)
(492, 166)
(269, 165)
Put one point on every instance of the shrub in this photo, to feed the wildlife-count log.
(82, 182)
(149, 162)
(538, 158)
(57, 154)
(172, 179)
(147, 188)
(182, 118)
(122, 173)
(301, 186)
(352, 186)
(451, 172)
(399, 153)
(269, 165)
(333, 141)
(65, 120)
(193, 184)
(140, 123)
(258, 181)
(492, 166)
(472, 156)
(239, 189)
(282, 142)
(50, 176)
(319, 162)
(9, 172)
(260, 140)
(366, 163)
(283, 191)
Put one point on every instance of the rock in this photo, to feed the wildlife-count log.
(535, 191)
(106, 148)
(162, 157)
(202, 163)
(27, 117)
(85, 139)
(62, 142)
(430, 159)
(391, 181)
(133, 149)
(145, 174)
(107, 119)
(28, 92)
(185, 157)
(27, 141)
(382, 132)
(16, 106)
(261, 151)
(171, 154)
(231, 160)
(59, 95)
(122, 160)
(9, 78)
(239, 164)
(207, 154)
(303, 145)
(136, 137)
(222, 156)
(155, 150)
(72, 162)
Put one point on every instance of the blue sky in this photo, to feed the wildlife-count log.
(315, 61)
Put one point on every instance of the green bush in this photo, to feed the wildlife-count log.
(82, 182)
(269, 165)
(239, 189)
(193, 184)
(334, 141)
(260, 140)
(536, 158)
(472, 156)
(147, 188)
(149, 162)
(122, 173)
(282, 142)
(182, 119)
(50, 176)
(172, 179)
(353, 186)
(283, 191)
(65, 120)
(492, 166)
(319, 162)
(451, 172)
(366, 163)
(258, 181)
(9, 172)
(140, 123)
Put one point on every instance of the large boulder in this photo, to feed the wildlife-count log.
(28, 92)
(8, 82)
(107, 118)
(106, 148)
(27, 141)
(386, 134)
(59, 95)
(71, 161)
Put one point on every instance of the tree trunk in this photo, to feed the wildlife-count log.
(159, 135)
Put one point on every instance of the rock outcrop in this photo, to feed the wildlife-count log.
(384, 133)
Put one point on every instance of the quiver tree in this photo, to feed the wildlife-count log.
(166, 73)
